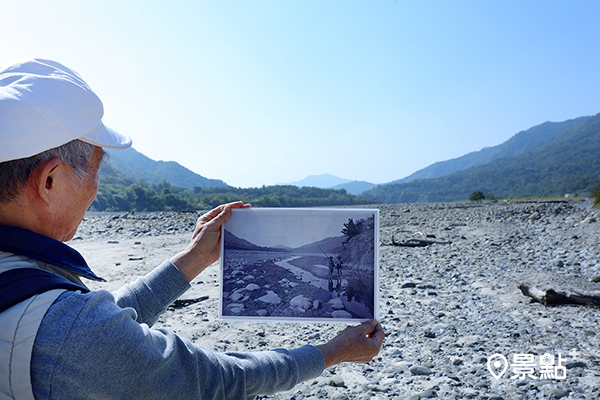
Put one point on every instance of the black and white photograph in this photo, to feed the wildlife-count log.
(300, 264)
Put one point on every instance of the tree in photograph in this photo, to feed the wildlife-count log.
(477, 196)
(358, 247)
(352, 229)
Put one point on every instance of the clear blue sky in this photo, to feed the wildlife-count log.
(261, 92)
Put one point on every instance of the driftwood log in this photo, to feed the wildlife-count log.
(553, 297)
(186, 302)
(416, 242)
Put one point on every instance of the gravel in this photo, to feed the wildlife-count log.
(445, 308)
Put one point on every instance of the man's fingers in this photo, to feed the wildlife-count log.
(239, 204)
(215, 212)
(374, 333)
(369, 326)
(223, 216)
(378, 335)
(235, 204)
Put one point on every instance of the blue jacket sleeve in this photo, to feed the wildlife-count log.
(89, 347)
(150, 295)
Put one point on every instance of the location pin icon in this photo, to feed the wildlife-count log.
(497, 365)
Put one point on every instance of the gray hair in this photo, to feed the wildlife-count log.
(15, 174)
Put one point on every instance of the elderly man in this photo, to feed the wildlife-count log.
(58, 339)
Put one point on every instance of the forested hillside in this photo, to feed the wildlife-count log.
(569, 164)
(551, 159)
(119, 191)
(523, 142)
(141, 196)
(136, 165)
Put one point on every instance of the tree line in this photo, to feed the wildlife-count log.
(138, 195)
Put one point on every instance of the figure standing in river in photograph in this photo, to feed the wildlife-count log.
(338, 265)
(331, 266)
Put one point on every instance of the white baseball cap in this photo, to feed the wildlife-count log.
(43, 105)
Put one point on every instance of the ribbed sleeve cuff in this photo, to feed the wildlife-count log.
(310, 361)
(167, 283)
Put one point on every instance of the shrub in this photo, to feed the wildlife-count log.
(596, 196)
(477, 196)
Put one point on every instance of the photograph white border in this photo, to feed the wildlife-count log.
(279, 234)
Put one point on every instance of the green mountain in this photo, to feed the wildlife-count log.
(134, 164)
(323, 181)
(355, 187)
(328, 181)
(570, 163)
(523, 142)
(133, 182)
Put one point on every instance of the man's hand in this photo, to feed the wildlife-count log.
(204, 248)
(357, 344)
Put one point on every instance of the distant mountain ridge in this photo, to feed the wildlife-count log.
(328, 181)
(523, 142)
(355, 187)
(134, 164)
(328, 245)
(552, 158)
(323, 181)
(232, 242)
(569, 163)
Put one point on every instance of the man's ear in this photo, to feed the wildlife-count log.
(45, 179)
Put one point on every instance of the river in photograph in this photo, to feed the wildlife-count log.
(289, 285)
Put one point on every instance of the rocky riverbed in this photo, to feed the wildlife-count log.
(447, 309)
